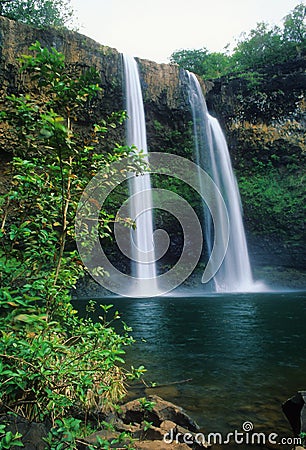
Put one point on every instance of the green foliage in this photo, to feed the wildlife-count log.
(39, 13)
(9, 439)
(269, 165)
(266, 45)
(303, 437)
(295, 28)
(173, 138)
(202, 62)
(261, 47)
(53, 363)
(147, 425)
(146, 405)
(50, 368)
(280, 145)
(276, 204)
(191, 60)
(66, 434)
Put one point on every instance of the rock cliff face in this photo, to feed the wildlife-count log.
(264, 124)
(161, 83)
(15, 38)
(279, 90)
(166, 103)
(165, 99)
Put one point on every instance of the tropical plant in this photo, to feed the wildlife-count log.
(54, 363)
(8, 439)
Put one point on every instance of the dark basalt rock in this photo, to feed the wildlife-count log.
(169, 424)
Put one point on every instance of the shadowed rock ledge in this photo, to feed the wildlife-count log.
(162, 426)
(162, 83)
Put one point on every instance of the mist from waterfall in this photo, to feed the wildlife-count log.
(212, 155)
(142, 246)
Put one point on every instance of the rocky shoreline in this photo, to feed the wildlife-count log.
(145, 423)
(150, 423)
(154, 423)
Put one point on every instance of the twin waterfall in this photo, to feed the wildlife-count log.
(141, 209)
(211, 154)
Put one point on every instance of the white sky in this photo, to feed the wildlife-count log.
(153, 29)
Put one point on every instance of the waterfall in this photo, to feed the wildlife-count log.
(142, 246)
(212, 155)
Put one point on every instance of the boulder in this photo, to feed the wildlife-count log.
(133, 412)
(32, 433)
(171, 427)
(169, 411)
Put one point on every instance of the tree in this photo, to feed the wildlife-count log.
(191, 60)
(266, 45)
(201, 62)
(295, 28)
(39, 13)
(261, 47)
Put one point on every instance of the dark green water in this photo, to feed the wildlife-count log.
(245, 354)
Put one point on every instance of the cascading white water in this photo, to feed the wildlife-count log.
(212, 155)
(142, 246)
